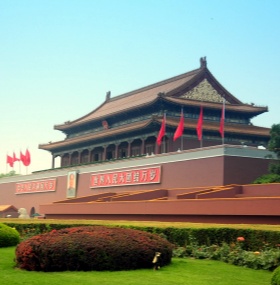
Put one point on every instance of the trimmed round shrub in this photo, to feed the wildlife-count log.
(275, 279)
(92, 248)
(8, 236)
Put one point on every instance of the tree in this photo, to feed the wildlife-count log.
(274, 168)
(274, 146)
(268, 178)
(11, 173)
(274, 142)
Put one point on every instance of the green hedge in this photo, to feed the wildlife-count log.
(275, 279)
(8, 236)
(255, 239)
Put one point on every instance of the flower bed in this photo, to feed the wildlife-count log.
(233, 253)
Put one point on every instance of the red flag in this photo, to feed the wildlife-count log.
(15, 158)
(10, 161)
(28, 158)
(199, 124)
(23, 158)
(161, 131)
(222, 122)
(180, 129)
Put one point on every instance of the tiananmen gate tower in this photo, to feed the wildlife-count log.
(182, 149)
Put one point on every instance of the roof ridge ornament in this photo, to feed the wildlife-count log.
(108, 96)
(203, 62)
(161, 94)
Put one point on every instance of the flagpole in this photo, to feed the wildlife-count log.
(161, 134)
(224, 111)
(164, 117)
(182, 141)
(201, 142)
(6, 162)
(199, 127)
(201, 123)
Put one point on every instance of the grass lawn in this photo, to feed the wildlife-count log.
(181, 271)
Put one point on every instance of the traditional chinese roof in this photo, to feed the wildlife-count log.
(189, 124)
(252, 110)
(97, 135)
(136, 98)
(191, 88)
(4, 208)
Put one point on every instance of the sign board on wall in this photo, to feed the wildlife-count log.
(37, 186)
(126, 177)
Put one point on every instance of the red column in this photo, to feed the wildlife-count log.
(104, 152)
(89, 155)
(129, 149)
(116, 151)
(143, 146)
(79, 157)
(53, 158)
(157, 148)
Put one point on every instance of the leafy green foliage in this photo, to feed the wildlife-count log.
(233, 253)
(11, 173)
(274, 142)
(260, 248)
(268, 178)
(92, 248)
(255, 238)
(275, 279)
(274, 168)
(8, 236)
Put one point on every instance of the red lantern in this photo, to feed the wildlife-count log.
(105, 125)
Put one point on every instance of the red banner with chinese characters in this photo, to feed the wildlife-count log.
(36, 186)
(126, 177)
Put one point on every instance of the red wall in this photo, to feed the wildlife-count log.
(203, 171)
(244, 170)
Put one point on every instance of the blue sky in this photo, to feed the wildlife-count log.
(58, 58)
